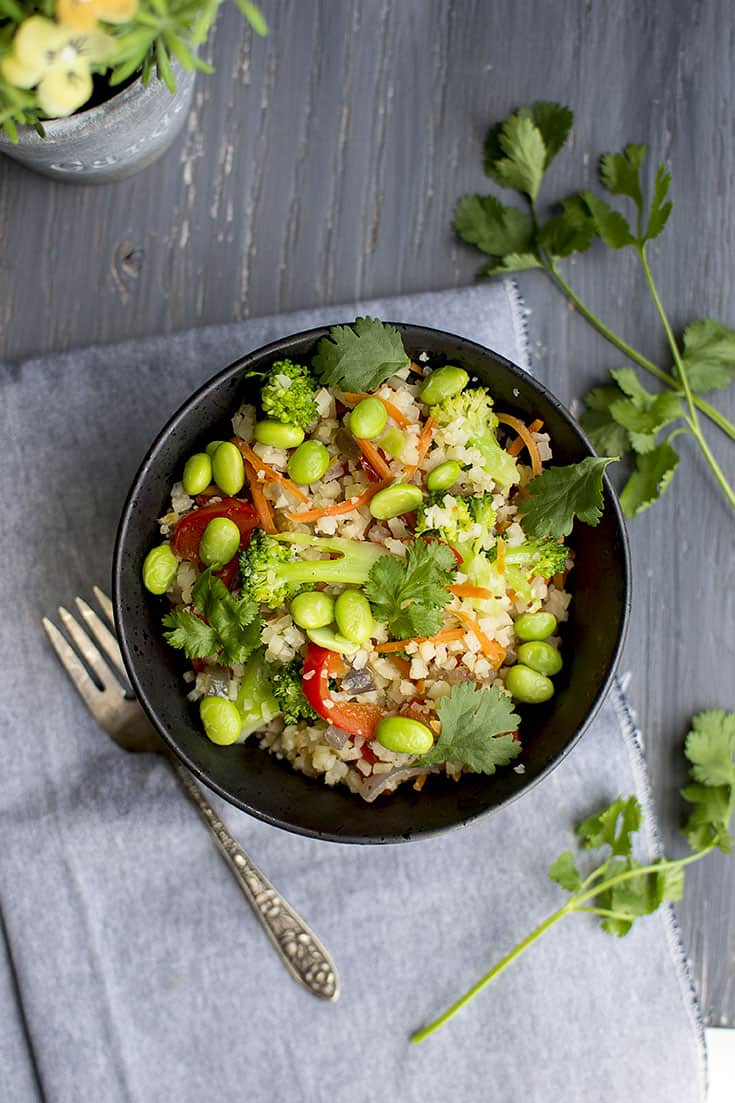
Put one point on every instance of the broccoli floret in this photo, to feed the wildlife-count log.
(482, 510)
(541, 557)
(256, 701)
(287, 685)
(472, 410)
(288, 394)
(456, 520)
(273, 571)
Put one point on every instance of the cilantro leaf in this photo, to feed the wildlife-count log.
(409, 594)
(563, 493)
(522, 157)
(644, 420)
(608, 437)
(653, 473)
(710, 747)
(234, 620)
(570, 231)
(359, 357)
(511, 262)
(620, 172)
(476, 729)
(190, 634)
(565, 873)
(660, 210)
(709, 355)
(483, 221)
(551, 120)
(612, 827)
(610, 224)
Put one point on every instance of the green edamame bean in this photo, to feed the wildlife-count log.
(535, 626)
(368, 418)
(228, 469)
(528, 686)
(212, 447)
(444, 475)
(277, 434)
(332, 641)
(443, 383)
(395, 500)
(541, 657)
(354, 616)
(404, 735)
(393, 442)
(197, 473)
(220, 541)
(221, 719)
(312, 609)
(159, 569)
(308, 463)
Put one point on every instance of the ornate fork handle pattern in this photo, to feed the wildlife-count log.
(299, 948)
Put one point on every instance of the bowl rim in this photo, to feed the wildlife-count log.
(274, 349)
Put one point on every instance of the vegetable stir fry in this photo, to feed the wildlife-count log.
(368, 576)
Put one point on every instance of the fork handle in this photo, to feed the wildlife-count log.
(298, 947)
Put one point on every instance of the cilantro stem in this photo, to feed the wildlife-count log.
(638, 358)
(689, 396)
(575, 903)
(494, 972)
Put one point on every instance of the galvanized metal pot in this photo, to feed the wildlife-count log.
(111, 141)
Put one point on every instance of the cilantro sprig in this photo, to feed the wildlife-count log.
(622, 417)
(359, 357)
(230, 630)
(477, 726)
(560, 494)
(409, 594)
(619, 888)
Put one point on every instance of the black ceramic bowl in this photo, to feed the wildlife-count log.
(256, 781)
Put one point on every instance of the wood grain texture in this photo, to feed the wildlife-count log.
(324, 163)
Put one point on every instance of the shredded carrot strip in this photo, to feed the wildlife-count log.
(309, 515)
(517, 446)
(490, 648)
(503, 525)
(261, 503)
(559, 579)
(424, 443)
(461, 589)
(500, 556)
(271, 475)
(353, 397)
(374, 458)
(526, 437)
(403, 666)
(445, 636)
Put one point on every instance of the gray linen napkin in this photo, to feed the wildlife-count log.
(133, 969)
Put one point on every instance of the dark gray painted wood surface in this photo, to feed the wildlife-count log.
(324, 163)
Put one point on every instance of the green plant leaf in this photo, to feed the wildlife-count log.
(660, 209)
(571, 231)
(709, 355)
(608, 437)
(254, 16)
(563, 493)
(644, 423)
(565, 872)
(359, 357)
(483, 221)
(620, 172)
(710, 748)
(476, 729)
(512, 262)
(553, 123)
(610, 224)
(613, 827)
(653, 473)
(524, 160)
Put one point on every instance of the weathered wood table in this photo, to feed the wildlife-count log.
(323, 164)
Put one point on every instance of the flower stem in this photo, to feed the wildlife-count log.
(684, 379)
(708, 410)
(575, 903)
(494, 972)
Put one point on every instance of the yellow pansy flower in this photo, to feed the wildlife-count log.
(83, 15)
(55, 61)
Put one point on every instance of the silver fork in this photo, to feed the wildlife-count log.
(120, 715)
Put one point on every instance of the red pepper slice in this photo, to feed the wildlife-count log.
(188, 532)
(351, 716)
